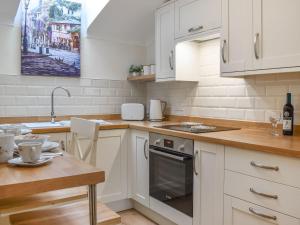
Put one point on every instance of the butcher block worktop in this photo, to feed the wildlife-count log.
(63, 172)
(251, 136)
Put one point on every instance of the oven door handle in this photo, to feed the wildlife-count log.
(180, 158)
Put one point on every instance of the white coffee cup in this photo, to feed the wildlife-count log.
(6, 147)
(30, 151)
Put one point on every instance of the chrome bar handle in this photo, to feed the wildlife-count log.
(223, 51)
(263, 194)
(254, 164)
(256, 37)
(194, 162)
(145, 149)
(194, 29)
(262, 215)
(171, 60)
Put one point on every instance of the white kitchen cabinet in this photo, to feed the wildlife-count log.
(195, 16)
(236, 36)
(208, 184)
(111, 157)
(139, 161)
(275, 27)
(238, 212)
(61, 138)
(165, 42)
(260, 37)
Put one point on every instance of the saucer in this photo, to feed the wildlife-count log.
(49, 145)
(19, 162)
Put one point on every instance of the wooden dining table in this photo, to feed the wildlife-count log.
(61, 173)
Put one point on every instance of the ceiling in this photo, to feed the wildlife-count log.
(8, 11)
(130, 21)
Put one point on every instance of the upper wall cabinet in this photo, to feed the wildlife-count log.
(177, 59)
(276, 33)
(194, 16)
(165, 43)
(260, 36)
(236, 35)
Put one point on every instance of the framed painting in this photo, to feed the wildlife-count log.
(50, 43)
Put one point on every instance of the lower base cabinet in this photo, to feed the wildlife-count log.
(238, 212)
(60, 138)
(111, 157)
(139, 164)
(208, 184)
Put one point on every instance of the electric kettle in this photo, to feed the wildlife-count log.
(157, 109)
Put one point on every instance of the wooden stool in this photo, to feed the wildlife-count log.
(72, 214)
(25, 203)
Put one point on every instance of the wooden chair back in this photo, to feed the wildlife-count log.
(82, 129)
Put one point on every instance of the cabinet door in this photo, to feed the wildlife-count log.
(112, 158)
(236, 36)
(238, 212)
(208, 184)
(140, 164)
(61, 138)
(165, 44)
(194, 16)
(276, 33)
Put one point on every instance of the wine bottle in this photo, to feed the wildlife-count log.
(288, 116)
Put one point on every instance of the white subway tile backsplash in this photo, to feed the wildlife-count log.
(236, 114)
(106, 92)
(245, 103)
(30, 96)
(25, 100)
(255, 90)
(295, 89)
(255, 115)
(265, 103)
(7, 100)
(100, 83)
(276, 90)
(92, 91)
(115, 84)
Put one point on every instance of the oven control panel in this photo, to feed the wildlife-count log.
(177, 144)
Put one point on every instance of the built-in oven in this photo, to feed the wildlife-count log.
(171, 171)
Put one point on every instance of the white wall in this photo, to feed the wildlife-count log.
(93, 7)
(101, 89)
(109, 60)
(251, 98)
(100, 59)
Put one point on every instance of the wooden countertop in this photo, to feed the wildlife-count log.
(62, 172)
(255, 138)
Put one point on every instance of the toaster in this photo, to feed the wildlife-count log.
(132, 111)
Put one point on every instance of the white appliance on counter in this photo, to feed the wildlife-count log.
(157, 109)
(133, 111)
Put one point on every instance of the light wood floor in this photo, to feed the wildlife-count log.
(133, 217)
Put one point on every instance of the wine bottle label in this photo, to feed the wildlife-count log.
(287, 124)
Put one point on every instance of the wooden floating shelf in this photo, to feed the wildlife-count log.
(142, 78)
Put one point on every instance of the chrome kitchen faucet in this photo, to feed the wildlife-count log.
(52, 101)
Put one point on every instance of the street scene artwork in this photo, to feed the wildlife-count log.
(51, 37)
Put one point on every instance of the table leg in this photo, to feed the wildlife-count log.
(93, 204)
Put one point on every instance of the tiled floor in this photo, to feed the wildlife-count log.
(132, 217)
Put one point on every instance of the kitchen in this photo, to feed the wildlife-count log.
(223, 74)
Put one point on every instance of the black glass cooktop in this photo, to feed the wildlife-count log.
(196, 128)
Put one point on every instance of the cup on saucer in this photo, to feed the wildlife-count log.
(30, 152)
(6, 147)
